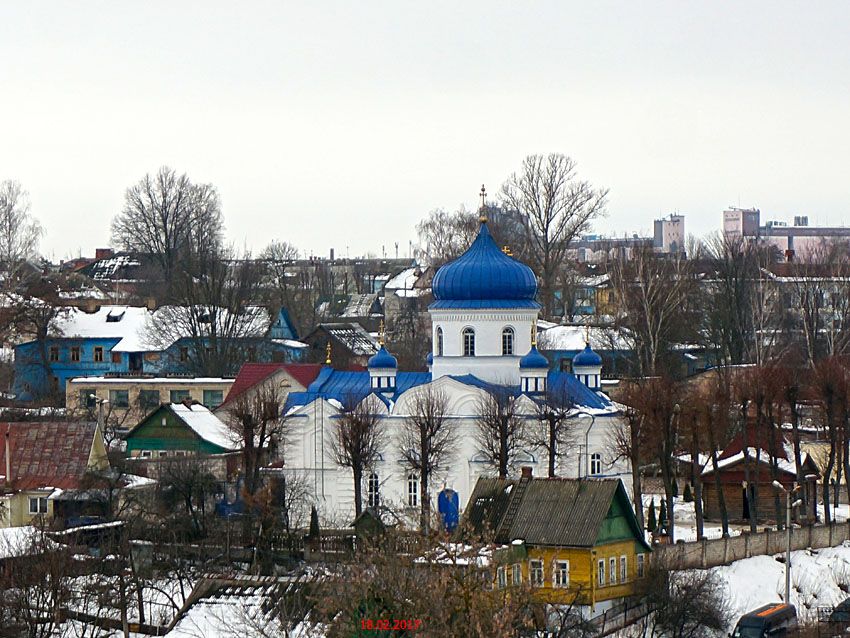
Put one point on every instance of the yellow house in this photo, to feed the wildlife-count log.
(42, 467)
(570, 540)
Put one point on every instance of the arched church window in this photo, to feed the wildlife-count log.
(373, 487)
(508, 340)
(595, 464)
(412, 490)
(468, 342)
(439, 342)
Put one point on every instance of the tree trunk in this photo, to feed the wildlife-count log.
(425, 498)
(358, 490)
(503, 449)
(553, 442)
(696, 479)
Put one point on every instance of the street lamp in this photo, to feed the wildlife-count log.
(99, 403)
(586, 415)
(788, 506)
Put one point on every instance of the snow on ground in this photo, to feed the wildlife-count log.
(685, 520)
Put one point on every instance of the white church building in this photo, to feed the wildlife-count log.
(484, 335)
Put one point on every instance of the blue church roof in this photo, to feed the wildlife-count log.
(349, 387)
(484, 277)
(533, 360)
(587, 357)
(382, 359)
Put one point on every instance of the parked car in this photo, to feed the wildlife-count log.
(776, 620)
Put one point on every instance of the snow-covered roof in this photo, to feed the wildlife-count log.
(205, 424)
(143, 380)
(573, 338)
(406, 279)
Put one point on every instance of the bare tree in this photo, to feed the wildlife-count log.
(357, 441)
(169, 217)
(653, 295)
(444, 236)
(554, 207)
(426, 443)
(499, 428)
(552, 430)
(19, 232)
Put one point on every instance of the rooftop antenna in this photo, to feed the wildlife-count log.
(482, 214)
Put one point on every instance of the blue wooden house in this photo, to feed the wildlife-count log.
(116, 340)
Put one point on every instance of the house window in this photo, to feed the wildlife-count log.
(54, 353)
(178, 396)
(600, 572)
(213, 398)
(38, 505)
(561, 577)
(373, 488)
(180, 453)
(184, 353)
(148, 399)
(75, 354)
(516, 574)
(640, 559)
(116, 357)
(87, 400)
(439, 342)
(595, 463)
(535, 569)
(468, 342)
(98, 354)
(612, 565)
(501, 578)
(624, 572)
(412, 490)
(508, 341)
(119, 398)
(145, 454)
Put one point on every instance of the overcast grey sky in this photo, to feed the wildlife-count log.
(342, 124)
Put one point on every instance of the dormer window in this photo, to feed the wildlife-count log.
(468, 342)
(507, 341)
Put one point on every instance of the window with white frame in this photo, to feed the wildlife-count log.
(535, 573)
(561, 575)
(38, 505)
(595, 463)
(373, 487)
(439, 342)
(624, 569)
(600, 572)
(516, 574)
(612, 564)
(508, 340)
(640, 565)
(468, 342)
(412, 490)
(501, 578)
(146, 454)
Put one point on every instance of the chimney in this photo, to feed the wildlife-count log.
(103, 253)
(526, 472)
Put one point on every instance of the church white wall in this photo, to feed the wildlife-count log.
(488, 363)
(308, 455)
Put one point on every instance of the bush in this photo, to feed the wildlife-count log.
(688, 496)
(651, 521)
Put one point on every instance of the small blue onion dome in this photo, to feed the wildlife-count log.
(534, 360)
(430, 358)
(382, 359)
(484, 272)
(587, 357)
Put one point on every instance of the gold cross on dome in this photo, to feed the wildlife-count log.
(507, 250)
(483, 196)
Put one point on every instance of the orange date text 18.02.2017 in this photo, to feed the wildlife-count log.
(386, 624)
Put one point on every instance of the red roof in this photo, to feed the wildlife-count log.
(251, 374)
(757, 441)
(49, 454)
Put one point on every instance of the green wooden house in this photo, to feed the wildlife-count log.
(180, 429)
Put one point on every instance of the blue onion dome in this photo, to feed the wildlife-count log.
(382, 359)
(587, 357)
(430, 358)
(485, 273)
(534, 360)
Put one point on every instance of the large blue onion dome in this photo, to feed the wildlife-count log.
(534, 360)
(484, 277)
(382, 359)
(587, 357)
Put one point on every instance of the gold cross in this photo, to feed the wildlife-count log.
(328, 354)
(507, 250)
(483, 196)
